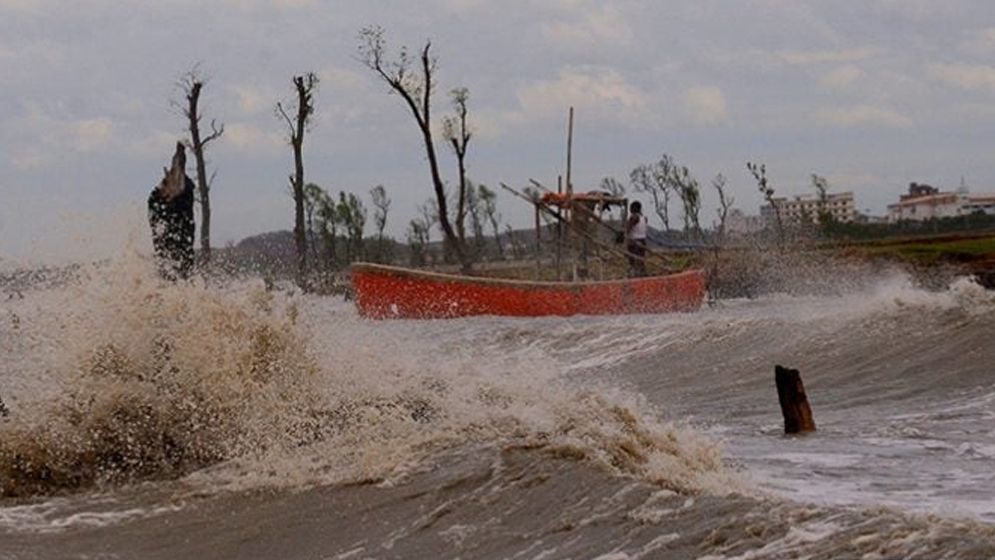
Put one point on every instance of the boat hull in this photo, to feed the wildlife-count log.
(385, 292)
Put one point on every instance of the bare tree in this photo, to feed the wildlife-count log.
(429, 211)
(417, 237)
(613, 186)
(415, 88)
(825, 217)
(381, 203)
(328, 223)
(725, 203)
(455, 131)
(475, 210)
(315, 198)
(192, 84)
(303, 110)
(669, 177)
(686, 187)
(662, 179)
(759, 173)
(488, 201)
(650, 179)
(352, 216)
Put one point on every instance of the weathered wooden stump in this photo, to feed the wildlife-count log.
(172, 221)
(794, 402)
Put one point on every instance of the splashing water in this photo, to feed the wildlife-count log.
(119, 377)
(490, 437)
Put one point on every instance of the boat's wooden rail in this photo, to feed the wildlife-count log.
(392, 292)
(361, 267)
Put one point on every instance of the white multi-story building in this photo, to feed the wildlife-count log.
(924, 202)
(808, 208)
(975, 203)
(925, 207)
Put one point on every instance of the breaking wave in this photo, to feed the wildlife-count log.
(118, 377)
(492, 437)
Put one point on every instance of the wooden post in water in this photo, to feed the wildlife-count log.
(794, 402)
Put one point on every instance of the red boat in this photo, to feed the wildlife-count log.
(386, 292)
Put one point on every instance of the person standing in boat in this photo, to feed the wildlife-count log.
(635, 239)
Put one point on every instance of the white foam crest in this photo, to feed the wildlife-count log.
(895, 291)
(899, 292)
(597, 343)
(154, 379)
(60, 514)
(797, 539)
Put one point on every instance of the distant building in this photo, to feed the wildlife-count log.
(739, 223)
(807, 209)
(924, 202)
(979, 203)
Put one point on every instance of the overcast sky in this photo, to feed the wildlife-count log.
(871, 94)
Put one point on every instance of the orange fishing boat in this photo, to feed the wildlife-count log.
(386, 292)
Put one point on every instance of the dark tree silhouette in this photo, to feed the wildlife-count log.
(381, 205)
(725, 203)
(417, 242)
(648, 178)
(192, 84)
(352, 217)
(759, 173)
(612, 186)
(824, 214)
(488, 202)
(303, 111)
(455, 131)
(414, 86)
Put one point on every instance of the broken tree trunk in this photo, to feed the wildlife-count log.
(171, 218)
(794, 402)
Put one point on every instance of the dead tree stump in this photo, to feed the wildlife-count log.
(172, 221)
(794, 402)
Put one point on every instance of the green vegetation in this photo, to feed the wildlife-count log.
(934, 251)
(972, 223)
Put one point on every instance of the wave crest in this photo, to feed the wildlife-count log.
(162, 380)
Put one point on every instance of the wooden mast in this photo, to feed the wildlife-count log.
(538, 241)
(559, 232)
(570, 192)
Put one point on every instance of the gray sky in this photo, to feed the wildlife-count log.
(872, 94)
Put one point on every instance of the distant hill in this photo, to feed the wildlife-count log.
(272, 246)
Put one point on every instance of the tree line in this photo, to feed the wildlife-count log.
(329, 231)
